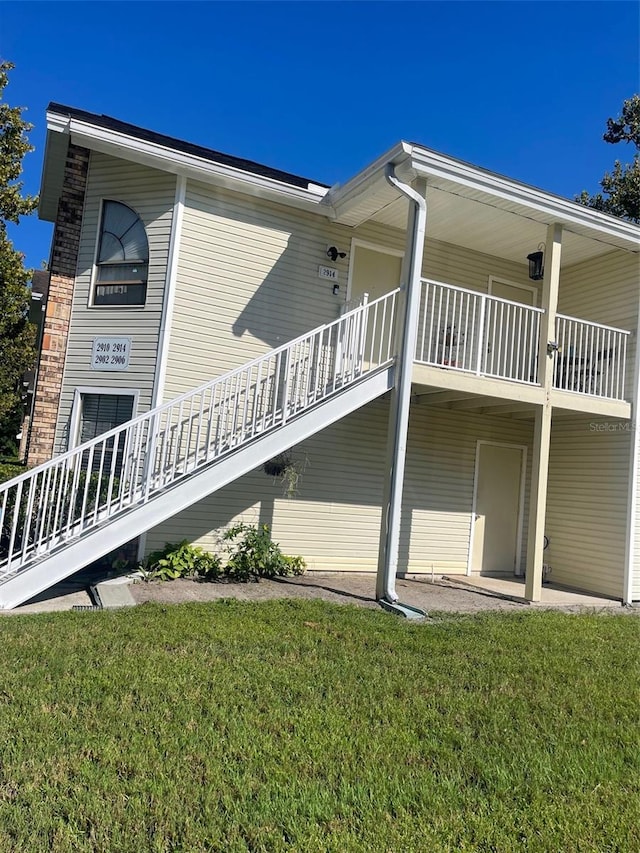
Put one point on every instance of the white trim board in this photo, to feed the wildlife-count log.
(164, 334)
(74, 422)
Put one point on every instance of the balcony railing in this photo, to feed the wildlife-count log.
(590, 359)
(464, 330)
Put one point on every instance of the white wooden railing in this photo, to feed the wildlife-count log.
(62, 500)
(462, 329)
(590, 358)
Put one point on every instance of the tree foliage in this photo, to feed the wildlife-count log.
(17, 335)
(621, 188)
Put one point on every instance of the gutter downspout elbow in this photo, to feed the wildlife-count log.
(412, 276)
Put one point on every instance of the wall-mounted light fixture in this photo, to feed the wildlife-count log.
(334, 253)
(536, 263)
(336, 289)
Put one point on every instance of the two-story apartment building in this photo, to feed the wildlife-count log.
(449, 354)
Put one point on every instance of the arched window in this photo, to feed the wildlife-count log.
(123, 257)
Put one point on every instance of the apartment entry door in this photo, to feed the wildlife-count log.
(372, 271)
(497, 516)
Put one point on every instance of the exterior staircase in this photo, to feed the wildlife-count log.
(59, 517)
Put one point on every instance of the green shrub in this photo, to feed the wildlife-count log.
(255, 555)
(208, 567)
(252, 555)
(9, 470)
(181, 561)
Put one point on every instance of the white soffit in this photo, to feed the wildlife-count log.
(480, 210)
(484, 228)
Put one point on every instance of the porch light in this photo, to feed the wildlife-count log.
(536, 263)
(334, 253)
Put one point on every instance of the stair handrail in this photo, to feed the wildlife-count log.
(57, 501)
(224, 377)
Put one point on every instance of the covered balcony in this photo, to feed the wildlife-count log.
(468, 340)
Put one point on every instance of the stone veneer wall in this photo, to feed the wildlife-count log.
(64, 259)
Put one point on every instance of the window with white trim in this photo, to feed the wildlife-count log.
(122, 265)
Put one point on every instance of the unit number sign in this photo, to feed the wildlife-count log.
(110, 353)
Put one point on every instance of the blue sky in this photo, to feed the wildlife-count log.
(321, 89)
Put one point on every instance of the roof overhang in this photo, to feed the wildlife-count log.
(467, 205)
(64, 128)
(486, 211)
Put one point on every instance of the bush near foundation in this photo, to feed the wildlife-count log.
(252, 554)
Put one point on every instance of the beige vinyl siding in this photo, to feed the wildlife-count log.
(587, 503)
(247, 282)
(439, 483)
(605, 290)
(151, 194)
(635, 585)
(589, 466)
(334, 521)
(248, 279)
(456, 265)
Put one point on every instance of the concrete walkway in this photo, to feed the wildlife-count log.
(456, 594)
(552, 594)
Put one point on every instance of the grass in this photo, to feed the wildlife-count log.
(309, 727)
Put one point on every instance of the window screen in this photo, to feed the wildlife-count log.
(99, 414)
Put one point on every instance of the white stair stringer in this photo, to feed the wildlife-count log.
(129, 522)
(359, 366)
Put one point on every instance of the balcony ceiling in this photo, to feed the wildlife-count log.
(480, 226)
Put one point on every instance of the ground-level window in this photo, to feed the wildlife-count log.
(122, 264)
(99, 413)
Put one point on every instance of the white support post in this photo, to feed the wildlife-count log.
(542, 433)
(406, 338)
(630, 562)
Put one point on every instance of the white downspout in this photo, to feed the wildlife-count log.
(401, 397)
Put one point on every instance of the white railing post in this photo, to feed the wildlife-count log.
(481, 334)
(285, 389)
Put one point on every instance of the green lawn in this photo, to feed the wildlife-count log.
(304, 726)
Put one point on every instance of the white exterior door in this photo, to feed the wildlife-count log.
(373, 271)
(497, 509)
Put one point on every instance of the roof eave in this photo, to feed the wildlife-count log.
(157, 156)
(342, 197)
(430, 164)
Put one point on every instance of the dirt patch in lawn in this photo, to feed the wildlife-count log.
(357, 589)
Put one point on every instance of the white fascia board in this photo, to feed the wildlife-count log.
(342, 196)
(181, 163)
(556, 208)
(52, 176)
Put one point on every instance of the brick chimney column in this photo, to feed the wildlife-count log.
(64, 261)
